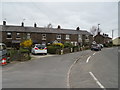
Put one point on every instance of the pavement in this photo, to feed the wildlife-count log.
(74, 70)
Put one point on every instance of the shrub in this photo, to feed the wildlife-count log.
(60, 45)
(53, 49)
(75, 48)
(68, 45)
(26, 43)
(24, 50)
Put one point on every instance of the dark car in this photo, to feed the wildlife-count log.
(96, 47)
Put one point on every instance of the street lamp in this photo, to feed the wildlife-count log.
(98, 27)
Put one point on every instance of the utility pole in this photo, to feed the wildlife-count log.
(98, 29)
(112, 33)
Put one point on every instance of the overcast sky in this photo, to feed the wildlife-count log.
(67, 14)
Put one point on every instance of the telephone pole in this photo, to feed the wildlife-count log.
(112, 33)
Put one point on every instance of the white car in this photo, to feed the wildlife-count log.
(101, 45)
(39, 49)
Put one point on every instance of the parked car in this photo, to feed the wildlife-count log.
(101, 45)
(39, 49)
(96, 47)
(3, 52)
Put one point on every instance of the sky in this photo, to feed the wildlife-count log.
(68, 15)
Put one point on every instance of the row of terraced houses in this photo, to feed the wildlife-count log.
(13, 35)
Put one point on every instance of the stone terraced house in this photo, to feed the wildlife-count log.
(13, 35)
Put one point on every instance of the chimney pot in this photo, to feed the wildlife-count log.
(4, 22)
(22, 24)
(59, 27)
(77, 28)
(35, 25)
(98, 33)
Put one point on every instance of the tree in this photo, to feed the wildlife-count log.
(94, 30)
(49, 25)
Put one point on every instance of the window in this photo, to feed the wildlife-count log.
(18, 35)
(67, 37)
(72, 43)
(79, 37)
(58, 36)
(9, 35)
(28, 35)
(87, 36)
(75, 44)
(43, 36)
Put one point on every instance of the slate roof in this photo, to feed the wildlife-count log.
(42, 30)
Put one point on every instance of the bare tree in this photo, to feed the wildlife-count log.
(49, 25)
(94, 30)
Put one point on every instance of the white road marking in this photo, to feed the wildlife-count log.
(68, 74)
(94, 53)
(88, 59)
(101, 86)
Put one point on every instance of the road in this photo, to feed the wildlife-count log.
(63, 71)
(96, 70)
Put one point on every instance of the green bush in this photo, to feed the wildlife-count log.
(24, 50)
(68, 45)
(75, 48)
(53, 49)
(11, 52)
(59, 45)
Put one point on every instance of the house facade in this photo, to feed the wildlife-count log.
(13, 35)
(116, 41)
(102, 38)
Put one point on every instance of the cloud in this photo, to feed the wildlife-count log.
(67, 14)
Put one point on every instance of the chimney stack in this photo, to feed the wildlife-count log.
(77, 28)
(35, 25)
(98, 33)
(4, 22)
(22, 24)
(59, 27)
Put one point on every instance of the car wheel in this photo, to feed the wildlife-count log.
(45, 53)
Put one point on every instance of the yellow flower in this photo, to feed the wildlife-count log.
(59, 44)
(26, 43)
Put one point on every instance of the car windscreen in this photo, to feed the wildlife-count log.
(2, 47)
(40, 46)
(94, 45)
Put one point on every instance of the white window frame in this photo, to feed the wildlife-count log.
(43, 36)
(58, 36)
(79, 36)
(87, 37)
(67, 37)
(18, 35)
(28, 35)
(72, 43)
(75, 43)
(9, 33)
